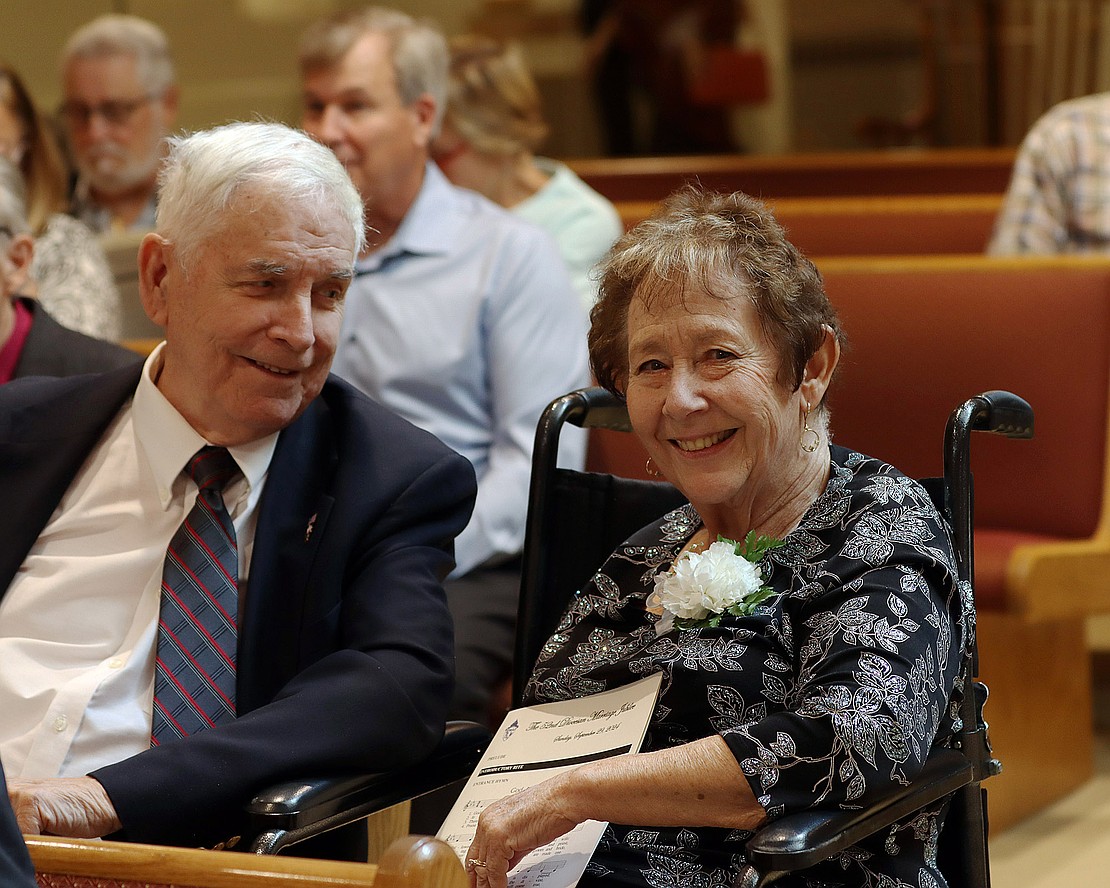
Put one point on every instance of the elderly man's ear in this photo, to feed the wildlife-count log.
(423, 111)
(154, 259)
(16, 265)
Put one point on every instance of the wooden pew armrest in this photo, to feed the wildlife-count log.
(1060, 580)
(410, 862)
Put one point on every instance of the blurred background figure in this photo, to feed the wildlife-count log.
(32, 343)
(1057, 199)
(462, 317)
(609, 70)
(119, 103)
(491, 129)
(642, 57)
(69, 273)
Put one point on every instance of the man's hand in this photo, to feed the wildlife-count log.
(77, 807)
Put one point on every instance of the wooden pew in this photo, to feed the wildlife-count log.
(413, 862)
(140, 346)
(886, 225)
(924, 334)
(819, 174)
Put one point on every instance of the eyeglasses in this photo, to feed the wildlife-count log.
(117, 112)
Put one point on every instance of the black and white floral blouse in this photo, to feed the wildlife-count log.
(836, 686)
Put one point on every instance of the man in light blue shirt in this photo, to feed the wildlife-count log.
(463, 318)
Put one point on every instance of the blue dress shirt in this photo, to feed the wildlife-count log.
(466, 323)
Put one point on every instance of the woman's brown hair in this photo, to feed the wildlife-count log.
(720, 243)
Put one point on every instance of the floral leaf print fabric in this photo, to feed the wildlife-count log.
(837, 685)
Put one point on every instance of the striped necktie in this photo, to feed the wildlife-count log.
(194, 678)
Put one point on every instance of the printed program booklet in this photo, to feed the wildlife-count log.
(538, 742)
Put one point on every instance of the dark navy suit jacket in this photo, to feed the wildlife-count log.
(54, 350)
(345, 650)
(15, 865)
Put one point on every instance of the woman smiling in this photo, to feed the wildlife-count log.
(822, 675)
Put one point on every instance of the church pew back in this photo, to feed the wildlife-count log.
(903, 171)
(884, 225)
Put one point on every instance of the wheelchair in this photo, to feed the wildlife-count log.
(576, 519)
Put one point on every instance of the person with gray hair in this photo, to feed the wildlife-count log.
(462, 318)
(119, 102)
(32, 343)
(172, 641)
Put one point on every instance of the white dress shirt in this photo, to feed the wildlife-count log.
(78, 624)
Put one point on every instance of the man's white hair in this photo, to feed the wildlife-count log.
(112, 35)
(203, 171)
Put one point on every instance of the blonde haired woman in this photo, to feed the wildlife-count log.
(492, 128)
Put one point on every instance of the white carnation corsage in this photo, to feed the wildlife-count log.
(702, 587)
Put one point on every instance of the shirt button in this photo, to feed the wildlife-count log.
(115, 663)
(60, 723)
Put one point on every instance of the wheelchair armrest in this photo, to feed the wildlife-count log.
(291, 812)
(802, 840)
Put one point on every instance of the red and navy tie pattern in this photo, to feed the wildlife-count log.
(194, 678)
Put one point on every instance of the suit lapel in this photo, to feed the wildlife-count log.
(293, 516)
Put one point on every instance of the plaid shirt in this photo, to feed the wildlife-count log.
(1058, 200)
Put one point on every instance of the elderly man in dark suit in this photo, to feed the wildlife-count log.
(32, 343)
(296, 622)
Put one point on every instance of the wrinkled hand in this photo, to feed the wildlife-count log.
(515, 825)
(77, 807)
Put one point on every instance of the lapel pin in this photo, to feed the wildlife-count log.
(311, 525)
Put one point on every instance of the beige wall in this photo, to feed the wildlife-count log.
(835, 61)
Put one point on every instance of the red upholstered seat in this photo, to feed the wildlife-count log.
(993, 550)
(926, 334)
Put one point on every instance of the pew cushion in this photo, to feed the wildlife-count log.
(993, 551)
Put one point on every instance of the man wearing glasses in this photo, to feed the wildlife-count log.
(119, 103)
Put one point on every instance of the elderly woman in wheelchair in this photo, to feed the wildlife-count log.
(803, 608)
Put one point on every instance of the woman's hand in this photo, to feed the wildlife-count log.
(695, 784)
(517, 824)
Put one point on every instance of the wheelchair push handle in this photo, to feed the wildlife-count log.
(1001, 413)
(997, 412)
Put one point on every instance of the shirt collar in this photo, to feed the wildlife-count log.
(429, 226)
(168, 441)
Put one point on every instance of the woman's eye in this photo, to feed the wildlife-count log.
(721, 354)
(650, 366)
